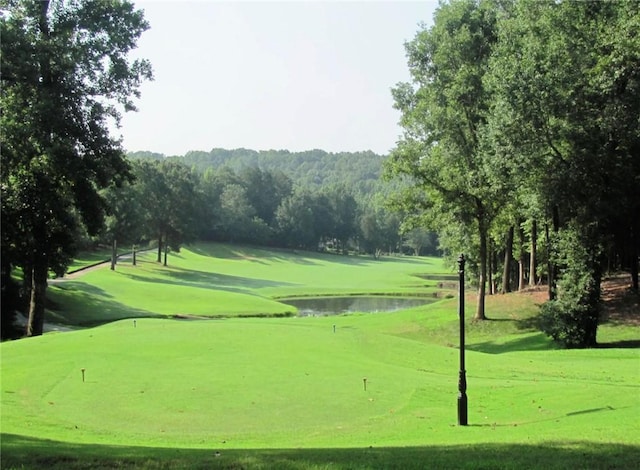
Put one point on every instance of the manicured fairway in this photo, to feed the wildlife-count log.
(290, 392)
(225, 280)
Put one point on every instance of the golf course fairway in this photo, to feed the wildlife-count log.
(272, 391)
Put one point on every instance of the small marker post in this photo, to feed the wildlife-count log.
(134, 324)
(82, 370)
(334, 328)
(364, 382)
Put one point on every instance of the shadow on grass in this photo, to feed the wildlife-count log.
(207, 280)
(536, 342)
(20, 452)
(81, 304)
(624, 344)
(260, 255)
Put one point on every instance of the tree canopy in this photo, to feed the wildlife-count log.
(65, 76)
(524, 114)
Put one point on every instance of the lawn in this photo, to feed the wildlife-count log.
(213, 280)
(290, 392)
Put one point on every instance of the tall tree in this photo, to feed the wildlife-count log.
(296, 221)
(265, 190)
(443, 115)
(169, 197)
(124, 222)
(65, 75)
(343, 208)
(566, 80)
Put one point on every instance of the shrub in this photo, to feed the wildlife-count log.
(572, 319)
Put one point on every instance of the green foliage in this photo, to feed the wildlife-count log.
(66, 76)
(312, 169)
(569, 322)
(444, 113)
(524, 114)
(572, 320)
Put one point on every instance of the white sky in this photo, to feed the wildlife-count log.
(294, 75)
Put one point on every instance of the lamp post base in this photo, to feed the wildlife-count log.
(462, 410)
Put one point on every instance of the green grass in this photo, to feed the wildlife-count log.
(289, 392)
(89, 258)
(223, 280)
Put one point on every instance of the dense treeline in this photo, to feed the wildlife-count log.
(169, 203)
(360, 171)
(522, 144)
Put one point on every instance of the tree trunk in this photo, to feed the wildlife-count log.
(494, 282)
(634, 270)
(166, 248)
(114, 254)
(482, 281)
(553, 295)
(508, 257)
(37, 297)
(490, 267)
(133, 255)
(550, 276)
(532, 258)
(593, 312)
(634, 259)
(159, 248)
(522, 259)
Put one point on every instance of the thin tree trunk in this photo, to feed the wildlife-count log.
(490, 267)
(159, 248)
(532, 258)
(482, 281)
(522, 259)
(634, 258)
(166, 248)
(114, 254)
(550, 275)
(37, 298)
(553, 291)
(508, 256)
(494, 257)
(634, 270)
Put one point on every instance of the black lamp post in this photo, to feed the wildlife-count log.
(462, 379)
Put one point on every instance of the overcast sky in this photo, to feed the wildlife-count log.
(294, 75)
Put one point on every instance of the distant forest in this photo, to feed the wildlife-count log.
(360, 171)
(310, 200)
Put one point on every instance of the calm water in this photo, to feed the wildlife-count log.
(320, 306)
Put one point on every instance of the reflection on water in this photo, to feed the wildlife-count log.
(320, 306)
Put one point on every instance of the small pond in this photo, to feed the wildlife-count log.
(322, 306)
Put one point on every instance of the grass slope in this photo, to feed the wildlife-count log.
(225, 280)
(289, 392)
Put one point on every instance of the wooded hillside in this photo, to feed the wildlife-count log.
(360, 171)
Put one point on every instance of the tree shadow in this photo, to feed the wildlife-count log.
(624, 344)
(533, 342)
(34, 453)
(262, 255)
(81, 304)
(206, 280)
